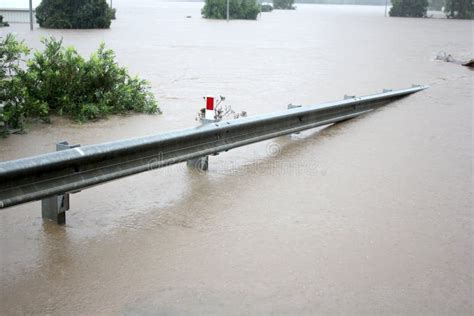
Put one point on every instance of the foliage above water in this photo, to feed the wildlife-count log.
(284, 4)
(13, 94)
(59, 81)
(454, 9)
(238, 9)
(74, 14)
(459, 9)
(409, 8)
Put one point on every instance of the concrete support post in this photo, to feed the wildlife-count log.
(54, 207)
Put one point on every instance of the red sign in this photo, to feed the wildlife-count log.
(210, 103)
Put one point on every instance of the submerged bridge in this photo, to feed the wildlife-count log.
(52, 177)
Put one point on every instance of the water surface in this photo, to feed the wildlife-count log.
(373, 215)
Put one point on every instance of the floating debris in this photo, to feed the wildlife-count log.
(469, 63)
(443, 56)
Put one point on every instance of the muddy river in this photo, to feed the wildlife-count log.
(370, 216)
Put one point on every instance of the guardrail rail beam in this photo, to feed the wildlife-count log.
(52, 177)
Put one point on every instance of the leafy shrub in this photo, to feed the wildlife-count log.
(409, 8)
(238, 9)
(60, 81)
(74, 14)
(459, 9)
(12, 91)
(284, 4)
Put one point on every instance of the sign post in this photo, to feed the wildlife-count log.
(31, 15)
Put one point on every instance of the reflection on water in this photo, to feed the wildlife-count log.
(373, 215)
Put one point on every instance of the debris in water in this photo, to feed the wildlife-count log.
(443, 56)
(469, 63)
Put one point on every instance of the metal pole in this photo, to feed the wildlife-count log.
(31, 15)
(228, 10)
(386, 4)
(111, 4)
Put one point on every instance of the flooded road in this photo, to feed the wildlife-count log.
(370, 216)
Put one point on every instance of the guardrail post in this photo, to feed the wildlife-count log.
(200, 163)
(209, 116)
(54, 207)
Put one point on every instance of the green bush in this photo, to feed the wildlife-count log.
(60, 81)
(459, 9)
(284, 4)
(409, 8)
(74, 14)
(238, 9)
(12, 92)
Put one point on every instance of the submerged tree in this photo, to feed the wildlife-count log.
(409, 8)
(238, 9)
(284, 4)
(459, 9)
(74, 14)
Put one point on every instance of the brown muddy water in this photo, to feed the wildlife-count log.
(371, 216)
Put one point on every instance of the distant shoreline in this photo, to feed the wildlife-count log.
(13, 4)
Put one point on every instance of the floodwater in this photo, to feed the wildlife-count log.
(370, 216)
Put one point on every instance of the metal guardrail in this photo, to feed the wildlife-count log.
(17, 15)
(73, 169)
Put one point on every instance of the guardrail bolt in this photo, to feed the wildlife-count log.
(54, 207)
